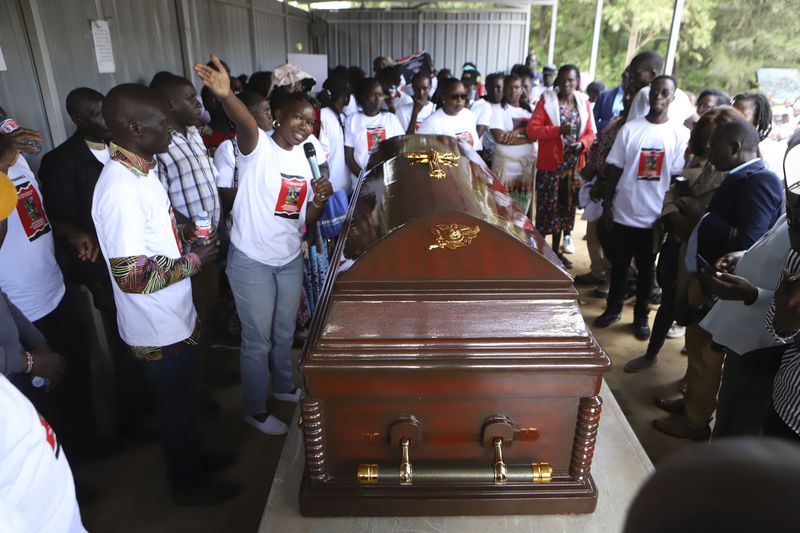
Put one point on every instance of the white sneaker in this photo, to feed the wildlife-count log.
(271, 426)
(568, 247)
(289, 396)
(676, 331)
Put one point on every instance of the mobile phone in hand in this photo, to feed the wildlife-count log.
(705, 264)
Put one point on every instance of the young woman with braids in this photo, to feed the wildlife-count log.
(277, 197)
(758, 111)
(335, 97)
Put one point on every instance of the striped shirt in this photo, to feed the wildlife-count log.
(786, 389)
(189, 176)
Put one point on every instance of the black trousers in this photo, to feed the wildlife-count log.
(628, 243)
(130, 388)
(667, 278)
(175, 384)
(745, 394)
(68, 406)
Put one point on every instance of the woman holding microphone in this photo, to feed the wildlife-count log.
(277, 198)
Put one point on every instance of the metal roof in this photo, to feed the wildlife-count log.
(424, 4)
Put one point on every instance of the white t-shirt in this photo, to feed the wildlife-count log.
(37, 492)
(401, 99)
(351, 107)
(363, 133)
(227, 165)
(101, 155)
(29, 274)
(225, 162)
(483, 109)
(509, 119)
(133, 217)
(331, 137)
(679, 110)
(404, 114)
(648, 154)
(270, 207)
(461, 126)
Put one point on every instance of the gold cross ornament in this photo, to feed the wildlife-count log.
(436, 160)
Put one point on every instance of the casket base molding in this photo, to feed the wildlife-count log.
(563, 495)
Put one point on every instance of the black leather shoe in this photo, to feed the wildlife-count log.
(675, 406)
(606, 319)
(640, 363)
(587, 279)
(218, 461)
(205, 491)
(641, 329)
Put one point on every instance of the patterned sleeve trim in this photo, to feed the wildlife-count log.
(146, 275)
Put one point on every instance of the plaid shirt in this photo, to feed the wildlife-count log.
(189, 176)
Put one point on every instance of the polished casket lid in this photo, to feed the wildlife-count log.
(435, 262)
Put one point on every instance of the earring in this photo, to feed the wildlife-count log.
(276, 123)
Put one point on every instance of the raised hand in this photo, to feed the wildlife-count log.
(216, 79)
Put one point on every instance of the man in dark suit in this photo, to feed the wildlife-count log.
(69, 174)
(609, 104)
(744, 208)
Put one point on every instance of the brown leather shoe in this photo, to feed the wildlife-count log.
(676, 406)
(680, 429)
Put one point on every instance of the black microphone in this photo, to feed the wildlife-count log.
(311, 155)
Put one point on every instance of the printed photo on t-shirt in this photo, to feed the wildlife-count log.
(466, 137)
(519, 122)
(375, 135)
(291, 196)
(31, 214)
(651, 161)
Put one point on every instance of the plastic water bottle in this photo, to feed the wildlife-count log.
(203, 224)
(40, 382)
(9, 125)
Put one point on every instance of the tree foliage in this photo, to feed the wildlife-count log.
(722, 42)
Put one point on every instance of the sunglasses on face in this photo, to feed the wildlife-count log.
(459, 96)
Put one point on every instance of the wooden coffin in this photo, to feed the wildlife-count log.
(448, 370)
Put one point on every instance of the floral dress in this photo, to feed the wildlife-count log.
(552, 215)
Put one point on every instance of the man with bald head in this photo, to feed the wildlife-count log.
(188, 174)
(69, 174)
(742, 210)
(150, 273)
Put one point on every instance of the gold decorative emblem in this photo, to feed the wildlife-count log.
(435, 160)
(452, 236)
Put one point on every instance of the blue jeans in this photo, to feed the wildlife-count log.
(267, 299)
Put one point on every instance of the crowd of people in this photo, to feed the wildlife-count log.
(165, 202)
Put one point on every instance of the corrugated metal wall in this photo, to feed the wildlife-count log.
(147, 36)
(493, 39)
(20, 95)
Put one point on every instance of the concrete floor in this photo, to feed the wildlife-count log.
(133, 495)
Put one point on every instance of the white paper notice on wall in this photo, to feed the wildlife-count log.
(3, 66)
(103, 50)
